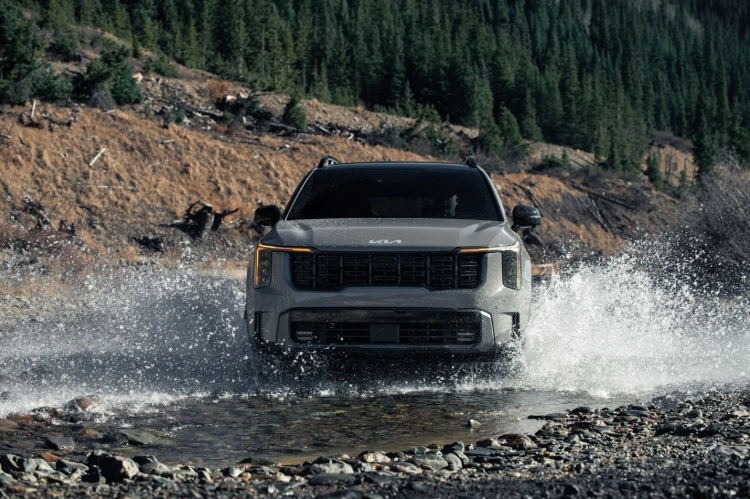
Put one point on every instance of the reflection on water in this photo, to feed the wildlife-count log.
(289, 430)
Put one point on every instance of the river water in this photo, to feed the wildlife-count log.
(168, 353)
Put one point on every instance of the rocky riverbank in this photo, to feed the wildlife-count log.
(698, 448)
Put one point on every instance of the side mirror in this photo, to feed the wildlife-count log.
(267, 216)
(525, 216)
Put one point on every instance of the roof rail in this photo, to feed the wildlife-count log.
(471, 162)
(328, 160)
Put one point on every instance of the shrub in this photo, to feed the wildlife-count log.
(713, 236)
(294, 114)
(124, 88)
(161, 66)
(549, 161)
(653, 172)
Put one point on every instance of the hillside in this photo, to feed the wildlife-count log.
(149, 174)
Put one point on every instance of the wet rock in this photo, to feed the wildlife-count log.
(232, 471)
(381, 479)
(10, 463)
(258, 461)
(359, 466)
(331, 479)
(401, 456)
(135, 437)
(463, 457)
(35, 464)
(484, 452)
(491, 443)
(113, 468)
(712, 430)
(454, 461)
(331, 467)
(582, 410)
(519, 441)
(695, 413)
(571, 490)
(455, 446)
(373, 457)
(59, 443)
(636, 413)
(85, 404)
(433, 461)
(6, 480)
(665, 429)
(63, 464)
(637, 407)
(473, 423)
(8, 424)
(151, 466)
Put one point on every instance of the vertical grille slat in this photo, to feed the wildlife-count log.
(436, 271)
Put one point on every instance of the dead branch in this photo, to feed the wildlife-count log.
(97, 157)
(55, 121)
(220, 216)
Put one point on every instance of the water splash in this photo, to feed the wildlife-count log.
(614, 329)
(150, 338)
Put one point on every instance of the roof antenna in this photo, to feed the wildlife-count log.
(327, 161)
(471, 162)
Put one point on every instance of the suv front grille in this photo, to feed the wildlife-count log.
(329, 271)
(408, 333)
(361, 327)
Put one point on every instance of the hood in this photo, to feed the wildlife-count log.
(390, 234)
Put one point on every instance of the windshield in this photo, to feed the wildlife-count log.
(391, 193)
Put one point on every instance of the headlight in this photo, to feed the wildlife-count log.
(511, 266)
(263, 258)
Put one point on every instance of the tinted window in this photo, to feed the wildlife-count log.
(386, 193)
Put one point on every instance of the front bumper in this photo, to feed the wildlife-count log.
(386, 320)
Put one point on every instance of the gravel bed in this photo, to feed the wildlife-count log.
(698, 448)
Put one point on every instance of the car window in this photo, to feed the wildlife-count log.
(392, 193)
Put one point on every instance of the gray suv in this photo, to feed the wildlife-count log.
(391, 258)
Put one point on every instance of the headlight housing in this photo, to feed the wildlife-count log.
(263, 262)
(512, 267)
(263, 259)
(511, 263)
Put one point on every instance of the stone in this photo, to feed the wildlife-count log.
(582, 410)
(331, 479)
(137, 437)
(455, 446)
(665, 429)
(373, 457)
(331, 468)
(636, 413)
(258, 461)
(459, 454)
(712, 430)
(48, 456)
(484, 452)
(10, 462)
(453, 460)
(8, 424)
(86, 404)
(59, 443)
(491, 443)
(113, 468)
(519, 441)
(378, 478)
(6, 480)
(434, 462)
(473, 423)
(35, 464)
(695, 413)
(556, 416)
(571, 490)
(63, 464)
